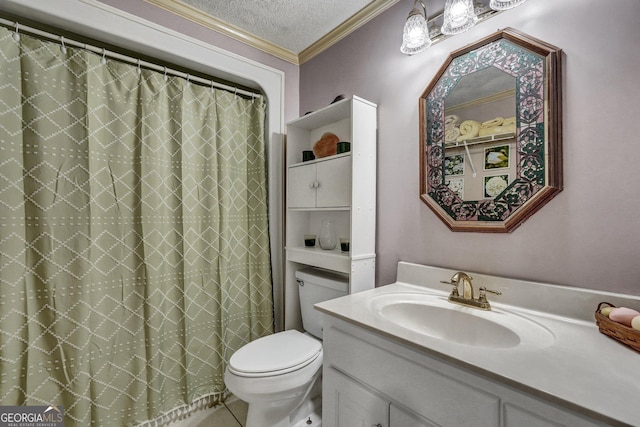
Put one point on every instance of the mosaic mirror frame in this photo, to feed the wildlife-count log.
(536, 67)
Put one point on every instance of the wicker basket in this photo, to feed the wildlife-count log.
(624, 334)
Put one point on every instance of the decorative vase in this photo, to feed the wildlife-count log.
(327, 238)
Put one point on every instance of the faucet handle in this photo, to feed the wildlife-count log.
(483, 293)
(454, 291)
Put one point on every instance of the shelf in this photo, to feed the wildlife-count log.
(341, 187)
(331, 113)
(333, 260)
(331, 209)
(321, 159)
(481, 140)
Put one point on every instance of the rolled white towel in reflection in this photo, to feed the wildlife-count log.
(493, 122)
(509, 124)
(511, 127)
(509, 121)
(484, 131)
(469, 129)
(451, 134)
(451, 121)
(497, 130)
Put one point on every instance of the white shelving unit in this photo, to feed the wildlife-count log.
(341, 188)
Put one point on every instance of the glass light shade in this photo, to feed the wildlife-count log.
(459, 16)
(505, 4)
(415, 36)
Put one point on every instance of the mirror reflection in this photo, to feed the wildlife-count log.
(490, 133)
(479, 134)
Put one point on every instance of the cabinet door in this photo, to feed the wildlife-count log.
(348, 404)
(519, 410)
(334, 183)
(400, 418)
(301, 184)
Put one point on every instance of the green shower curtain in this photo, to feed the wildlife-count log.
(134, 247)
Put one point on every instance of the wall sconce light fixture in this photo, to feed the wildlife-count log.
(415, 36)
(459, 16)
(505, 4)
(420, 32)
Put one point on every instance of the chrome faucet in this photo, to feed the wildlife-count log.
(467, 297)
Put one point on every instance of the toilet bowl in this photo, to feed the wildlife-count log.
(279, 375)
(277, 382)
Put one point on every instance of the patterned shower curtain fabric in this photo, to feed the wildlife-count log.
(134, 246)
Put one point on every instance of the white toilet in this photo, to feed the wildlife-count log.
(279, 375)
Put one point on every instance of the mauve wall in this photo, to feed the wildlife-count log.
(162, 17)
(589, 234)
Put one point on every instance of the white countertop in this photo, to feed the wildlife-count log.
(582, 369)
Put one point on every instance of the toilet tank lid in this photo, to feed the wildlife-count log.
(283, 351)
(328, 279)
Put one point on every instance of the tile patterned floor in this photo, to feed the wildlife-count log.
(232, 414)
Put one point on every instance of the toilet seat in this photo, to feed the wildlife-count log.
(275, 354)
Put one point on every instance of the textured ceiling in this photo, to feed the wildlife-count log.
(291, 24)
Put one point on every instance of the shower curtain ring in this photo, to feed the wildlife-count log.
(16, 33)
(165, 74)
(139, 70)
(103, 61)
(63, 48)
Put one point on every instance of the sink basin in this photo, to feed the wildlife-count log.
(434, 316)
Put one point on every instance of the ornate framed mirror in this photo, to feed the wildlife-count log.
(490, 133)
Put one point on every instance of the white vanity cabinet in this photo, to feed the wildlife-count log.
(340, 188)
(353, 404)
(369, 380)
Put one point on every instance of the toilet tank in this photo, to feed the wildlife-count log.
(314, 286)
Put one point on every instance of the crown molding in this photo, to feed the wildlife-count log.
(341, 31)
(509, 93)
(199, 17)
(347, 27)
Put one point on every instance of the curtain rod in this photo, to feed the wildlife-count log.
(17, 27)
